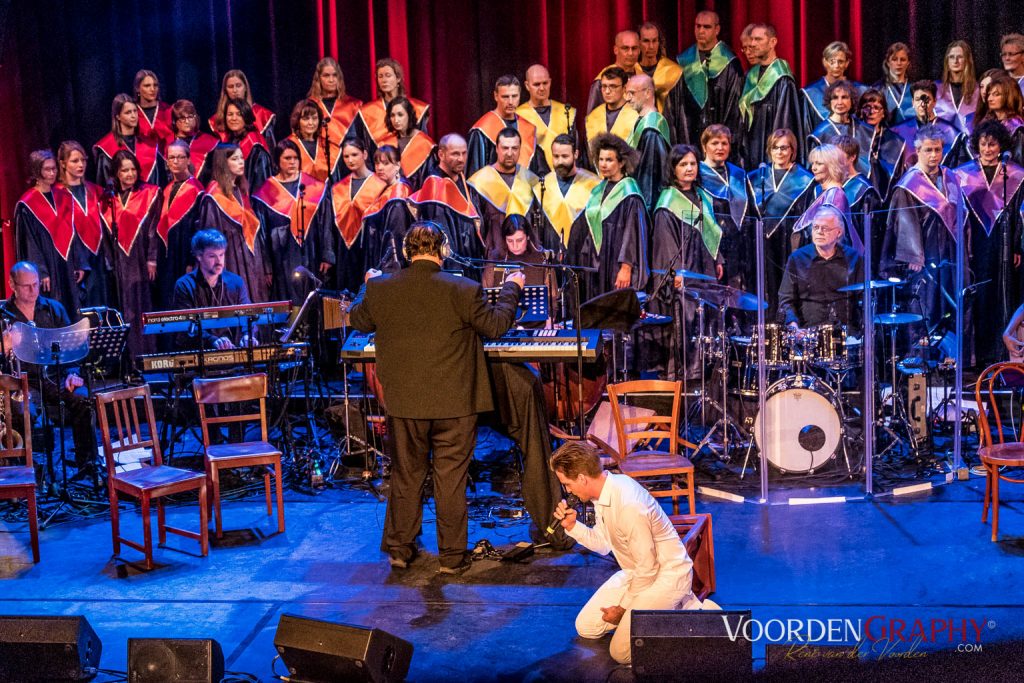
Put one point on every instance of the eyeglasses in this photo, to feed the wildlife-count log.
(1012, 54)
(872, 107)
(177, 157)
(923, 99)
(781, 148)
(611, 86)
(822, 229)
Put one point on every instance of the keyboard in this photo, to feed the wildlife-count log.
(539, 346)
(216, 317)
(181, 361)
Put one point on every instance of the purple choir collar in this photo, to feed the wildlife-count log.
(917, 183)
(986, 201)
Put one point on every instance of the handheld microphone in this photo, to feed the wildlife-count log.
(304, 271)
(570, 500)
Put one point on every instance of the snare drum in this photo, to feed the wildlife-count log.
(778, 344)
(825, 346)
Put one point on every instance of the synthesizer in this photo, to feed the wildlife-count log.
(181, 361)
(515, 346)
(216, 317)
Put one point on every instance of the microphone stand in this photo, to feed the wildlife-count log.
(325, 126)
(1006, 258)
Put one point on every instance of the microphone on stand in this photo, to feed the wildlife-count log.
(303, 271)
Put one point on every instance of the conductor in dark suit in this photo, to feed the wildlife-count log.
(430, 361)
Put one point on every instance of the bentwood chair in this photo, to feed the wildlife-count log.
(994, 448)
(237, 390)
(121, 428)
(18, 481)
(695, 533)
(636, 434)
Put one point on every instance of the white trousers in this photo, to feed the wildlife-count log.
(671, 591)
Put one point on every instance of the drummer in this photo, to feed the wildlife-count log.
(808, 295)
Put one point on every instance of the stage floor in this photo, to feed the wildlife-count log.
(921, 557)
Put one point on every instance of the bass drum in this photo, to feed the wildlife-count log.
(802, 426)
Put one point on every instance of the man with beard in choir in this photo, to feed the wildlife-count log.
(667, 78)
(650, 138)
(502, 189)
(563, 193)
(770, 99)
(483, 137)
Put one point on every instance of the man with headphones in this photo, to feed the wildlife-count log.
(428, 326)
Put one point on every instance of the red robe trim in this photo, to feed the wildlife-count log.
(130, 214)
(396, 192)
(282, 202)
(490, 124)
(339, 121)
(416, 153)
(58, 219)
(191, 191)
(251, 141)
(316, 167)
(444, 191)
(374, 115)
(199, 149)
(240, 213)
(349, 210)
(145, 151)
(88, 220)
(160, 130)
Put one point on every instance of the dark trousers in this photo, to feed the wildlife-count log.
(444, 447)
(77, 419)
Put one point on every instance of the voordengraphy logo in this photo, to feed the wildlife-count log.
(875, 629)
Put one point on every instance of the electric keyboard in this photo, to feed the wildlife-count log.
(515, 346)
(216, 317)
(180, 361)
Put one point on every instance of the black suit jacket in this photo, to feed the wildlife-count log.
(428, 324)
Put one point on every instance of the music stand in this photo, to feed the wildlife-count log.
(533, 306)
(52, 347)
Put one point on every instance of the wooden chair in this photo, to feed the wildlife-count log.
(994, 449)
(219, 457)
(149, 482)
(18, 481)
(636, 434)
(695, 531)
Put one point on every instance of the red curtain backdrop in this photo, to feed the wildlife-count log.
(60, 69)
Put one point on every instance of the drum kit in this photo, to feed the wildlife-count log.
(811, 380)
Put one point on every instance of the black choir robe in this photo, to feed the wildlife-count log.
(339, 113)
(496, 197)
(246, 254)
(652, 140)
(171, 249)
(898, 101)
(417, 156)
(996, 232)
(447, 202)
(620, 122)
(1015, 127)
(863, 200)
(769, 101)
(154, 169)
(258, 165)
(612, 230)
(778, 199)
(885, 152)
(199, 148)
(922, 231)
(350, 198)
(670, 94)
(561, 207)
(90, 229)
(685, 236)
(483, 137)
(728, 189)
(155, 124)
(954, 143)
(815, 108)
(555, 119)
(44, 227)
(295, 218)
(132, 218)
(712, 93)
(385, 223)
(370, 124)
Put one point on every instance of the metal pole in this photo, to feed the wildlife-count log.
(958, 382)
(762, 373)
(868, 346)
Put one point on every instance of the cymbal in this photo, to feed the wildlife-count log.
(724, 295)
(897, 318)
(688, 274)
(872, 284)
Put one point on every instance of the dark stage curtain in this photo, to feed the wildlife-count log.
(62, 62)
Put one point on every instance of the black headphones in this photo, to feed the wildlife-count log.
(446, 248)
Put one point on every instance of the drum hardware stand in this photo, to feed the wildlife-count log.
(899, 408)
(724, 369)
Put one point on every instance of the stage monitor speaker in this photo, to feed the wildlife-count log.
(48, 649)
(182, 660)
(321, 652)
(672, 645)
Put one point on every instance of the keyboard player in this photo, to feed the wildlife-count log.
(211, 285)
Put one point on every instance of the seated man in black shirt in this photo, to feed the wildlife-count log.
(27, 306)
(210, 285)
(808, 294)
